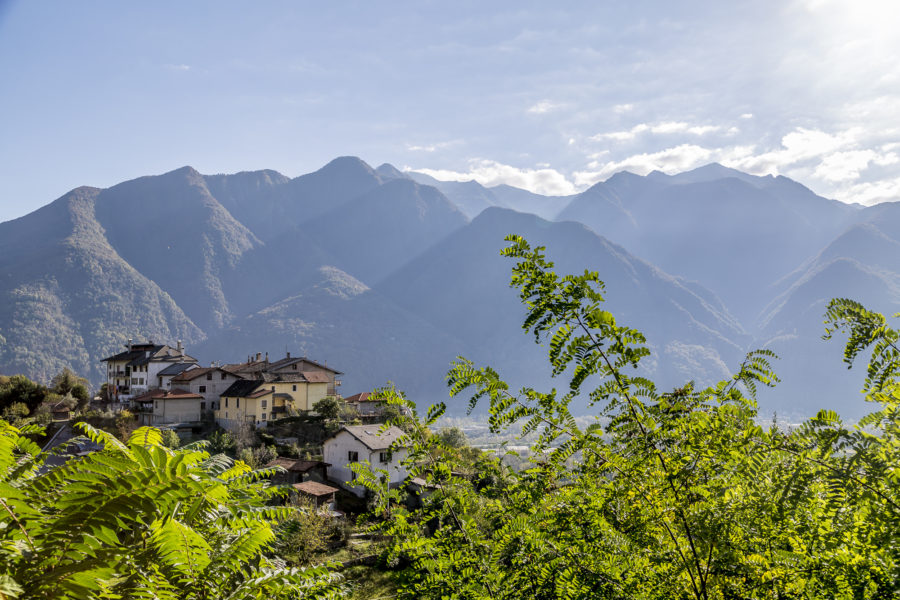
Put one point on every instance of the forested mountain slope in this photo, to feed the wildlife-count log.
(390, 278)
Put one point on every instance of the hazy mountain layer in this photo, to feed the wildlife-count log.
(386, 278)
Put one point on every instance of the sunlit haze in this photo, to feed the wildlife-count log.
(551, 99)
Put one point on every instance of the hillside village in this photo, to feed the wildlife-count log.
(165, 387)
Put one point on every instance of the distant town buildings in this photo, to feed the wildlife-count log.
(164, 385)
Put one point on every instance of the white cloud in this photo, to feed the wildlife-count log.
(623, 108)
(489, 173)
(544, 106)
(663, 128)
(887, 159)
(872, 192)
(671, 160)
(747, 116)
(799, 146)
(844, 166)
(181, 67)
(430, 147)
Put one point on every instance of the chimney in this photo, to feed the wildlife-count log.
(130, 344)
(258, 356)
(288, 354)
(267, 358)
(179, 346)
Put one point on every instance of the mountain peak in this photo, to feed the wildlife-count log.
(346, 164)
(186, 171)
(388, 171)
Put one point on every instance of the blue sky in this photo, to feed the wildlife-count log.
(552, 99)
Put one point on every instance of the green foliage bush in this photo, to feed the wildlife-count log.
(170, 438)
(677, 494)
(221, 442)
(18, 388)
(140, 520)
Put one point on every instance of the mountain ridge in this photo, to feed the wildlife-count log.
(396, 277)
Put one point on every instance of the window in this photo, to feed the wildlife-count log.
(273, 388)
(209, 376)
(265, 403)
(353, 456)
(223, 376)
(226, 402)
(295, 388)
(238, 400)
(294, 367)
(264, 416)
(352, 476)
(384, 457)
(156, 403)
(202, 389)
(226, 414)
(203, 406)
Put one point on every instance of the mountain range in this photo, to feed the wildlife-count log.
(390, 275)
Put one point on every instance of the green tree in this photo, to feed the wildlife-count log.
(678, 494)
(16, 413)
(170, 438)
(140, 520)
(452, 437)
(329, 407)
(67, 383)
(18, 388)
(259, 456)
(306, 534)
(221, 441)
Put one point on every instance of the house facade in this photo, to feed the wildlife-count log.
(137, 369)
(162, 407)
(364, 405)
(209, 382)
(364, 443)
(164, 377)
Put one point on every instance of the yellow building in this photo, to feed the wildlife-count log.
(267, 398)
(312, 372)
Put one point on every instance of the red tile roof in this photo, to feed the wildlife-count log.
(316, 376)
(360, 397)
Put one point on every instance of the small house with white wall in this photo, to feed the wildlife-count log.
(364, 443)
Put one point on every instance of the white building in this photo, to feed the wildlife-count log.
(361, 443)
(137, 370)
